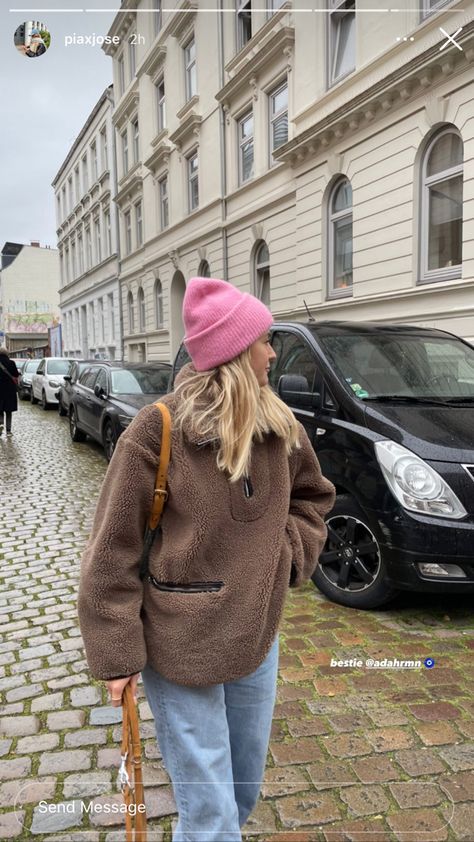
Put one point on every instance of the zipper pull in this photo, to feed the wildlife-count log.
(248, 487)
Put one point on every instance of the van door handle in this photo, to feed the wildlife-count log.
(320, 431)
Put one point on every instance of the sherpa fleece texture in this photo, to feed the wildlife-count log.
(211, 531)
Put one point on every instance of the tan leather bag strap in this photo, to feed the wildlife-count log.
(160, 494)
(130, 775)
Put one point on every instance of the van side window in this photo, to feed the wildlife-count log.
(294, 356)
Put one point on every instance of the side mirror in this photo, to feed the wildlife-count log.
(98, 391)
(294, 390)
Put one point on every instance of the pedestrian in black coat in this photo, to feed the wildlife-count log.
(8, 393)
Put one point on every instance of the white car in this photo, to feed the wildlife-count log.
(48, 378)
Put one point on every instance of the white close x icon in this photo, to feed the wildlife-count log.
(451, 39)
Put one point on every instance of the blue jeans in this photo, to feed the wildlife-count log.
(214, 742)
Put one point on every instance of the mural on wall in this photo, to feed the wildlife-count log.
(28, 316)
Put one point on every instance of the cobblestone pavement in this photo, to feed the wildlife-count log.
(355, 753)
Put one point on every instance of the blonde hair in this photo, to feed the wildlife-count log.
(227, 403)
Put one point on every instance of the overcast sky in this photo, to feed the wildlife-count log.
(46, 101)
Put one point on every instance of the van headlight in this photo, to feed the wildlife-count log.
(415, 484)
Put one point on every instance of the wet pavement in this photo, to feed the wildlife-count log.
(358, 751)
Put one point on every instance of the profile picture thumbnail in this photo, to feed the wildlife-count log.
(32, 38)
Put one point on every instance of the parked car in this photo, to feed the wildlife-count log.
(20, 362)
(65, 390)
(24, 381)
(108, 395)
(47, 378)
(388, 409)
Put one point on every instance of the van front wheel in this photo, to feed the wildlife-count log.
(351, 569)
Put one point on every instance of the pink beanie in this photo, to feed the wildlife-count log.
(220, 321)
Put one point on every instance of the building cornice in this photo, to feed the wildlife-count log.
(130, 186)
(160, 155)
(188, 128)
(422, 75)
(128, 106)
(153, 63)
(261, 50)
(181, 19)
(120, 25)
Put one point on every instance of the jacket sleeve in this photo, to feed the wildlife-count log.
(110, 589)
(312, 497)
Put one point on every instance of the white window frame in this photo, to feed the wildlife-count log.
(88, 255)
(338, 292)
(242, 7)
(159, 311)
(104, 149)
(243, 141)
(136, 140)
(333, 40)
(139, 222)
(157, 17)
(127, 225)
(131, 314)
(94, 159)
(108, 231)
(70, 194)
(111, 316)
(121, 74)
(163, 186)
(191, 178)
(261, 287)
(161, 104)
(132, 54)
(80, 253)
(427, 9)
(450, 272)
(274, 6)
(73, 259)
(101, 321)
(273, 117)
(190, 69)
(85, 173)
(97, 240)
(77, 183)
(141, 310)
(125, 156)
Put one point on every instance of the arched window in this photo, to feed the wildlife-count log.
(340, 238)
(159, 303)
(131, 319)
(141, 310)
(262, 273)
(442, 207)
(204, 270)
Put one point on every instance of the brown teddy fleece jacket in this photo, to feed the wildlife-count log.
(236, 541)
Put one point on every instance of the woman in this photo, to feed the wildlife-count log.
(8, 396)
(243, 520)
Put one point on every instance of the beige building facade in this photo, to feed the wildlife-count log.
(29, 299)
(88, 240)
(312, 154)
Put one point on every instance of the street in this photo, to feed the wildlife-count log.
(359, 751)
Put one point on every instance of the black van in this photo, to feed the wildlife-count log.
(389, 410)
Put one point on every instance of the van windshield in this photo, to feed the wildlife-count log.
(407, 366)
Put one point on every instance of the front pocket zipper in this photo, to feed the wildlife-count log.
(186, 587)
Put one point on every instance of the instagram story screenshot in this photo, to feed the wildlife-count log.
(237, 421)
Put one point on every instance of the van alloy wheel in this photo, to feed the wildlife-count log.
(351, 569)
